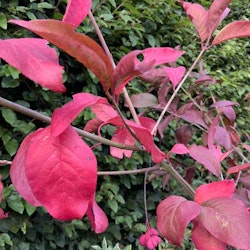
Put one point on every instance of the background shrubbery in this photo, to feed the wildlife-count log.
(126, 25)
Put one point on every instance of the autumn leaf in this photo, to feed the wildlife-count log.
(77, 45)
(173, 215)
(34, 59)
(57, 172)
(76, 11)
(236, 29)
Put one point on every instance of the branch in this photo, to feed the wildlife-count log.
(123, 172)
(176, 91)
(179, 179)
(43, 118)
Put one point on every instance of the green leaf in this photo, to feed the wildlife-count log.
(113, 205)
(14, 73)
(3, 21)
(9, 82)
(120, 199)
(9, 115)
(15, 202)
(45, 5)
(29, 209)
(11, 146)
(6, 238)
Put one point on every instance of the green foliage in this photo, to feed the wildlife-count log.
(126, 25)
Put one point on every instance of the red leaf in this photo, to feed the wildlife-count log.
(204, 21)
(216, 13)
(147, 122)
(17, 170)
(191, 114)
(144, 137)
(2, 214)
(237, 29)
(226, 108)
(178, 148)
(130, 66)
(173, 215)
(184, 134)
(61, 172)
(247, 147)
(222, 137)
(79, 46)
(198, 16)
(62, 117)
(35, 59)
(161, 55)
(97, 218)
(76, 11)
(103, 111)
(237, 169)
(92, 125)
(228, 220)
(122, 136)
(203, 240)
(143, 100)
(223, 103)
(175, 74)
(207, 157)
(213, 190)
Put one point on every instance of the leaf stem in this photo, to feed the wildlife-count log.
(46, 119)
(176, 91)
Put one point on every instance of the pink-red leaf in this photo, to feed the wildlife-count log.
(144, 137)
(18, 169)
(147, 122)
(130, 66)
(62, 117)
(237, 29)
(173, 215)
(207, 157)
(97, 218)
(35, 59)
(228, 220)
(175, 74)
(205, 21)
(122, 136)
(213, 190)
(191, 114)
(203, 240)
(76, 11)
(216, 13)
(61, 173)
(237, 169)
(143, 100)
(103, 111)
(198, 16)
(79, 46)
(178, 148)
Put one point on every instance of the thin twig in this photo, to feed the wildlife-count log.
(179, 179)
(106, 49)
(101, 173)
(176, 91)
